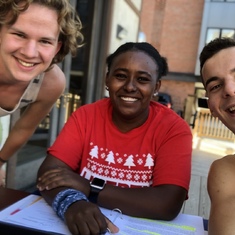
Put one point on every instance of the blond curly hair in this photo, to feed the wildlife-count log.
(68, 20)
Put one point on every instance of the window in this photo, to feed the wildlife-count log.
(228, 33)
(223, 0)
(213, 33)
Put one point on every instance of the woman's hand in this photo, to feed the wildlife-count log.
(86, 218)
(63, 177)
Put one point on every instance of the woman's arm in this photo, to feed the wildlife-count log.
(160, 202)
(81, 217)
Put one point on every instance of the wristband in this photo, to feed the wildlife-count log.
(2, 160)
(66, 198)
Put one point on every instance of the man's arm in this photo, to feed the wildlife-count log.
(51, 89)
(221, 189)
(2, 176)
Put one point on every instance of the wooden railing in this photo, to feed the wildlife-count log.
(72, 102)
(208, 126)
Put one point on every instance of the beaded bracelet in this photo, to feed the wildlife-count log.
(66, 198)
(2, 160)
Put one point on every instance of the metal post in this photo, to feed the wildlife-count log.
(11, 164)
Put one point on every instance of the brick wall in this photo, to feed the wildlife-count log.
(173, 27)
(178, 91)
(181, 32)
(151, 20)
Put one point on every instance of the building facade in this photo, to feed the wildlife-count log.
(177, 28)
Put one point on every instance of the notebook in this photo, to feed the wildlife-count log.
(32, 215)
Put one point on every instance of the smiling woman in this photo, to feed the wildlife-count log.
(138, 150)
(34, 35)
(132, 81)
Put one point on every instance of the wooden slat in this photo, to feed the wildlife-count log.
(208, 126)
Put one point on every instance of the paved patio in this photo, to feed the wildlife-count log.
(205, 151)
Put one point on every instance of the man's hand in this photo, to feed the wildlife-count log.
(86, 218)
(2, 177)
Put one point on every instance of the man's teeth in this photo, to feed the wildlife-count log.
(128, 99)
(25, 63)
(232, 109)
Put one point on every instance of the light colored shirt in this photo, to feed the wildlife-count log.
(29, 96)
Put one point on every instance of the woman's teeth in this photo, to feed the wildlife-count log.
(128, 99)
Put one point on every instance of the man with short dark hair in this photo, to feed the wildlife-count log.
(217, 61)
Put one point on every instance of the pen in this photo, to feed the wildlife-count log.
(24, 206)
(15, 211)
(36, 200)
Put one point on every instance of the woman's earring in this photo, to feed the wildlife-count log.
(106, 88)
(155, 94)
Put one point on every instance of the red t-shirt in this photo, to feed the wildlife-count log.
(158, 152)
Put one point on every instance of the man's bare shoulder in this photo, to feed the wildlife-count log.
(54, 75)
(221, 177)
(53, 83)
(227, 162)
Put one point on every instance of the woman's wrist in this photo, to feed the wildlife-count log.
(66, 198)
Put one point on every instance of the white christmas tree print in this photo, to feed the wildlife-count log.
(149, 161)
(129, 162)
(94, 152)
(110, 158)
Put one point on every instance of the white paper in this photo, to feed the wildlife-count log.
(34, 212)
(182, 224)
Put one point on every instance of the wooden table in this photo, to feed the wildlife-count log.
(10, 196)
